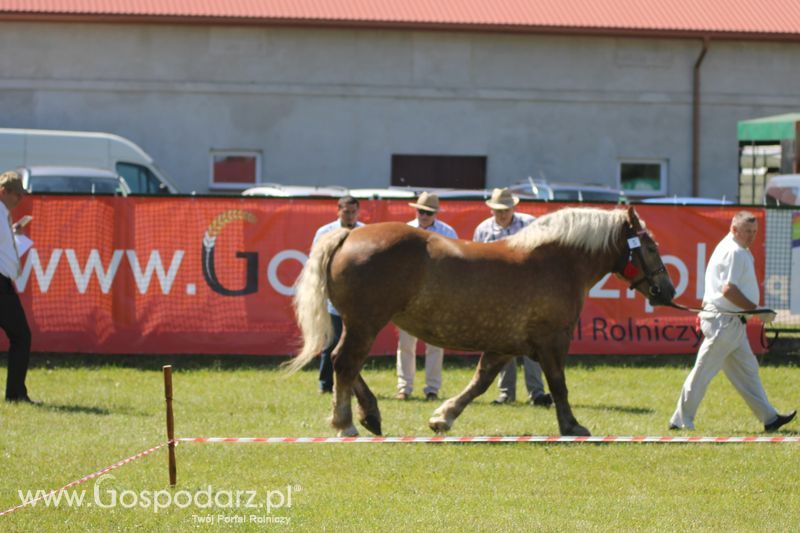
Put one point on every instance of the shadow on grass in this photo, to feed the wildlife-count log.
(617, 408)
(82, 409)
(786, 353)
(148, 362)
(410, 399)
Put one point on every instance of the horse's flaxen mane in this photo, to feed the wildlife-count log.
(590, 229)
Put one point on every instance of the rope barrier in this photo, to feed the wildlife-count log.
(495, 439)
(172, 442)
(84, 479)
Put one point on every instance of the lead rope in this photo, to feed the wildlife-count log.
(766, 344)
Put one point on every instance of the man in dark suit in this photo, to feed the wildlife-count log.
(12, 315)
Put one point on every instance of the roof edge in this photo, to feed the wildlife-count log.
(400, 25)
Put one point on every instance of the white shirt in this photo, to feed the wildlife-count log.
(9, 262)
(734, 264)
(490, 231)
(438, 226)
(327, 228)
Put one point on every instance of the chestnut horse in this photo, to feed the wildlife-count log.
(518, 296)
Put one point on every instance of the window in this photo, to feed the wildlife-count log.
(643, 177)
(75, 184)
(234, 170)
(447, 171)
(140, 179)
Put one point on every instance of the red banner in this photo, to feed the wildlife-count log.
(215, 275)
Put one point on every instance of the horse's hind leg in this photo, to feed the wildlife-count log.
(488, 367)
(348, 359)
(552, 356)
(368, 413)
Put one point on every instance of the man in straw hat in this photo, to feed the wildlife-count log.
(427, 205)
(12, 315)
(503, 223)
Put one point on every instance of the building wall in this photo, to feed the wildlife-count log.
(330, 106)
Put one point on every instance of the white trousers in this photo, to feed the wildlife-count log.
(725, 348)
(407, 364)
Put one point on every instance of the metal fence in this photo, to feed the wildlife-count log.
(778, 269)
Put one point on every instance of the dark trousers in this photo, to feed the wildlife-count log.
(14, 323)
(325, 363)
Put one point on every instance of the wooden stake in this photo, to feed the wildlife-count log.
(173, 468)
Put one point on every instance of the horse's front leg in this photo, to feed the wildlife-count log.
(488, 367)
(368, 413)
(552, 357)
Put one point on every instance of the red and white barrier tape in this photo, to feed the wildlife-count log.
(488, 439)
(410, 439)
(84, 479)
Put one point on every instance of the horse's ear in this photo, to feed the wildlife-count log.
(633, 218)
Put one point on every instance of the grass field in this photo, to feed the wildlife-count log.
(99, 411)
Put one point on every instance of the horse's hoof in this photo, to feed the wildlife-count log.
(439, 424)
(348, 432)
(372, 424)
(577, 431)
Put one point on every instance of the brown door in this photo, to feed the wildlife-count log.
(445, 171)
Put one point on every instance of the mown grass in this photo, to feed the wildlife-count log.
(96, 412)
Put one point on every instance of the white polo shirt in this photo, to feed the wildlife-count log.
(327, 228)
(9, 262)
(730, 263)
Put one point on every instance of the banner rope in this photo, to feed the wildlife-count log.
(494, 439)
(84, 479)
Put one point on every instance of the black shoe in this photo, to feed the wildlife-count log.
(780, 421)
(24, 399)
(543, 400)
(432, 397)
(673, 427)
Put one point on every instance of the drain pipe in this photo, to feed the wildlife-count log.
(696, 118)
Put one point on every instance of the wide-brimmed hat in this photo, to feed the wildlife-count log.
(427, 202)
(502, 199)
(12, 181)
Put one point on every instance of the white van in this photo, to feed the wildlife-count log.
(26, 148)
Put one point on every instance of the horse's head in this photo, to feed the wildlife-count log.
(641, 265)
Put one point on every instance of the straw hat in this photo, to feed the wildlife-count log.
(427, 202)
(502, 199)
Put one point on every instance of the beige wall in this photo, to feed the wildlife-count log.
(331, 106)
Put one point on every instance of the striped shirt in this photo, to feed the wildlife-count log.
(490, 231)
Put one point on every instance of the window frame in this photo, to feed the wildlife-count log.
(235, 153)
(663, 176)
(152, 178)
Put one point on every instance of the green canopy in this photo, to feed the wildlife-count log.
(774, 128)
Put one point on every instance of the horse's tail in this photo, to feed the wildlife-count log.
(310, 299)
